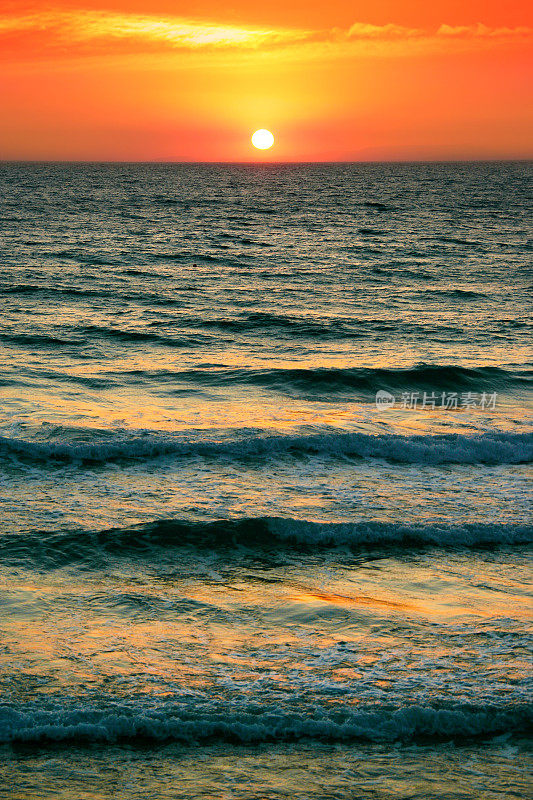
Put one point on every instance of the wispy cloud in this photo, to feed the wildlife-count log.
(76, 27)
(480, 30)
(73, 33)
(362, 30)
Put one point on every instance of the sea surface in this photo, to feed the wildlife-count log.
(226, 570)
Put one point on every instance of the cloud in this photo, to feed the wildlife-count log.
(58, 33)
(76, 27)
(480, 30)
(362, 30)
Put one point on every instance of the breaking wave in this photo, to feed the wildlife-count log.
(486, 448)
(192, 724)
(51, 550)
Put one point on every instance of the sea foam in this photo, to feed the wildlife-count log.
(169, 721)
(485, 448)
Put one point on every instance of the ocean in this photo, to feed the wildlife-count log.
(265, 437)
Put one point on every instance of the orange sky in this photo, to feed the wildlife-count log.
(332, 79)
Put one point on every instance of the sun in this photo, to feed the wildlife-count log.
(262, 139)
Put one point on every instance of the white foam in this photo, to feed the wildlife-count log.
(488, 448)
(440, 534)
(169, 721)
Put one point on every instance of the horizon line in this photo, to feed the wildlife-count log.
(494, 160)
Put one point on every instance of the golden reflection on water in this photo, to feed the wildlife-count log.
(312, 595)
(174, 403)
(185, 633)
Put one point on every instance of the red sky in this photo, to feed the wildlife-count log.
(332, 79)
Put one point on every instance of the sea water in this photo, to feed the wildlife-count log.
(226, 569)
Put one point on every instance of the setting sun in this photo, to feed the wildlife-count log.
(262, 139)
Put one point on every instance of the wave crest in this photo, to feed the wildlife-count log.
(53, 550)
(486, 448)
(170, 721)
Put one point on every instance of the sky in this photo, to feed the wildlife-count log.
(334, 80)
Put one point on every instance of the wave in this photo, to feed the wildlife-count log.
(416, 274)
(124, 335)
(378, 206)
(319, 383)
(69, 291)
(367, 380)
(46, 550)
(293, 325)
(364, 380)
(466, 294)
(307, 327)
(91, 331)
(453, 448)
(39, 340)
(169, 720)
(144, 298)
(453, 240)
